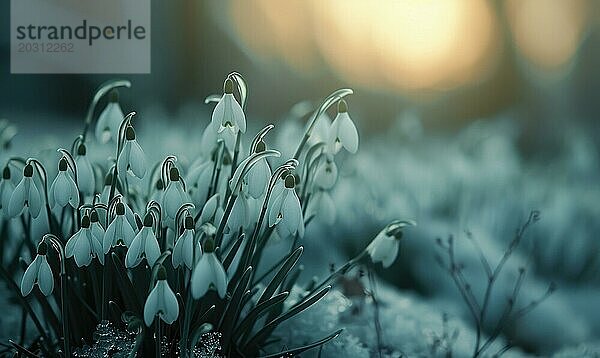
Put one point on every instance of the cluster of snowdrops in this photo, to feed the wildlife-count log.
(173, 248)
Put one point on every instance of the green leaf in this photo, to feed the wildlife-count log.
(289, 263)
(257, 312)
(233, 251)
(264, 332)
(234, 306)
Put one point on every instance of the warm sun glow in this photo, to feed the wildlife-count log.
(548, 33)
(403, 45)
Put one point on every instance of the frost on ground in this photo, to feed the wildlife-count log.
(475, 181)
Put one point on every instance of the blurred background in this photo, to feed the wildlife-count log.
(449, 61)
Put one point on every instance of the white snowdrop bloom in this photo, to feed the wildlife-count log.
(38, 272)
(161, 301)
(97, 233)
(209, 272)
(228, 113)
(285, 211)
(63, 190)
(119, 231)
(259, 175)
(320, 133)
(384, 248)
(131, 159)
(321, 205)
(210, 209)
(85, 173)
(183, 251)
(174, 196)
(343, 132)
(6, 189)
(83, 245)
(144, 245)
(211, 136)
(198, 181)
(326, 173)
(26, 195)
(109, 121)
(240, 212)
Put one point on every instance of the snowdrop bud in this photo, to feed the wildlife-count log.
(384, 248)
(63, 190)
(161, 301)
(209, 272)
(109, 121)
(6, 190)
(85, 172)
(183, 251)
(343, 132)
(209, 210)
(144, 245)
(25, 195)
(38, 272)
(132, 158)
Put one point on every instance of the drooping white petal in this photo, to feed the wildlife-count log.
(383, 249)
(258, 179)
(170, 309)
(240, 213)
(219, 278)
(70, 246)
(137, 160)
(45, 277)
(292, 212)
(183, 251)
(151, 249)
(34, 199)
(18, 198)
(30, 276)
(6, 190)
(275, 214)
(173, 198)
(135, 250)
(85, 175)
(201, 277)
(107, 126)
(326, 174)
(209, 209)
(151, 306)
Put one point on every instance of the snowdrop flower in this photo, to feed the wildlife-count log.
(174, 196)
(109, 121)
(38, 272)
(259, 175)
(198, 181)
(209, 272)
(161, 301)
(343, 133)
(211, 137)
(26, 195)
(228, 113)
(97, 232)
(326, 173)
(210, 209)
(183, 252)
(285, 212)
(63, 190)
(322, 206)
(143, 245)
(85, 172)
(384, 248)
(6, 189)
(119, 232)
(132, 158)
(84, 245)
(240, 212)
